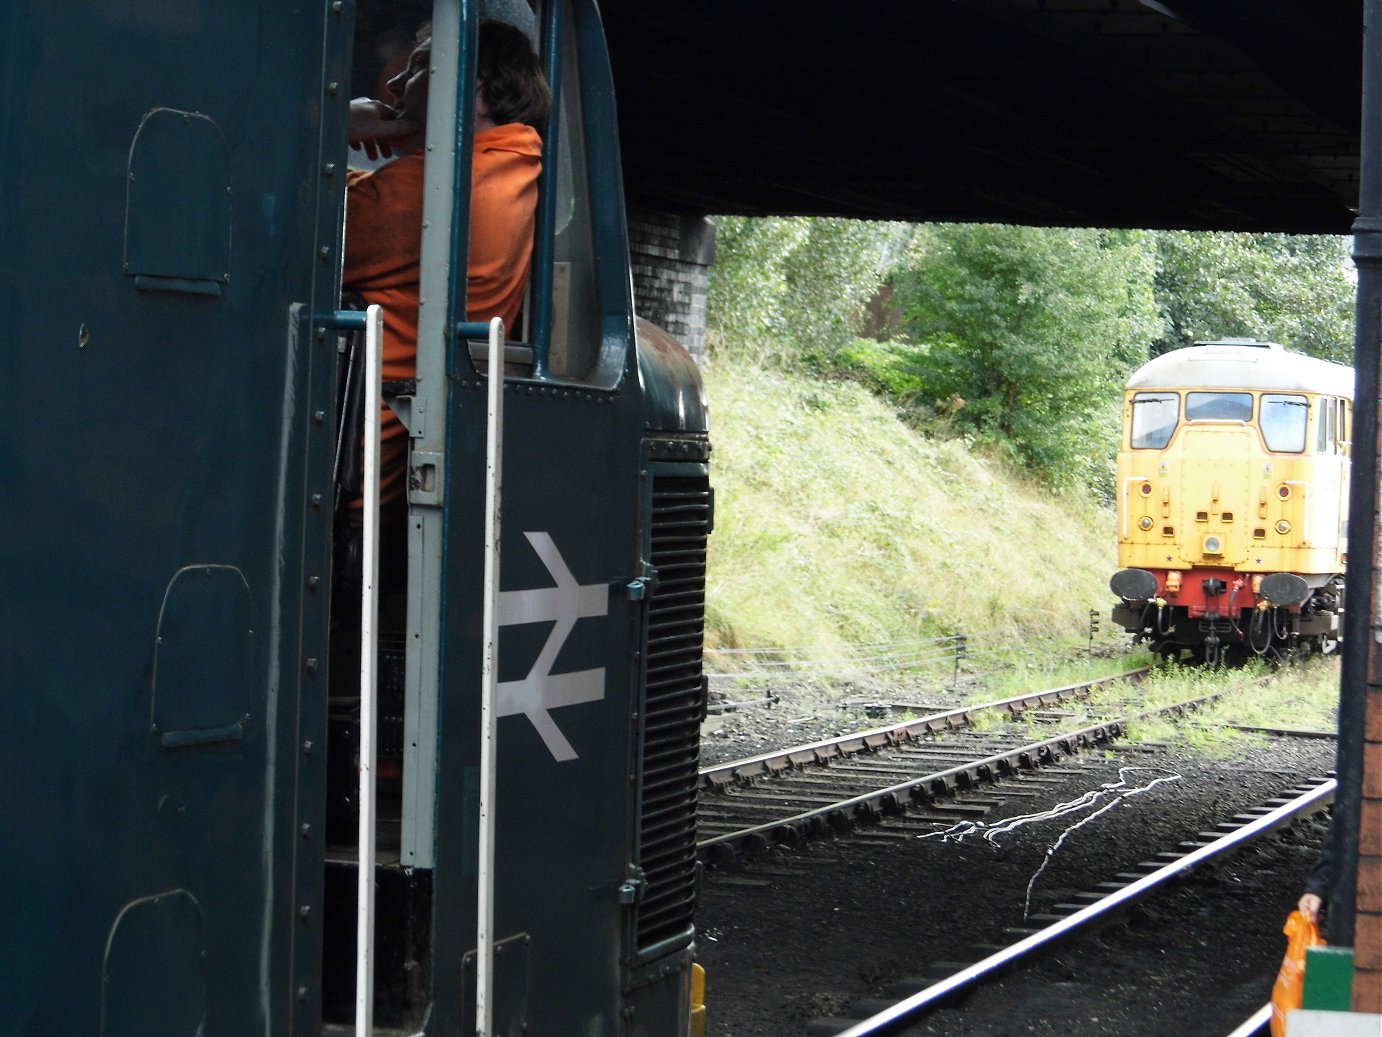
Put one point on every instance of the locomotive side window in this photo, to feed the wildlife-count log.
(575, 349)
(1218, 406)
(1283, 422)
(1154, 416)
(1329, 432)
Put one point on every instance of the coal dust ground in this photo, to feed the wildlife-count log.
(791, 936)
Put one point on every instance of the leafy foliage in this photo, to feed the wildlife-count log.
(784, 285)
(1026, 336)
(1296, 290)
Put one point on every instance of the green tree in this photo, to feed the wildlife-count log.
(1295, 290)
(786, 286)
(1026, 337)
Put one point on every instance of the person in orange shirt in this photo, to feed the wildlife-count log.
(384, 207)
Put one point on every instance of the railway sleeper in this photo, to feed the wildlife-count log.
(1065, 909)
(967, 809)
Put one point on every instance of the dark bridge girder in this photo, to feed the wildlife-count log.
(1201, 114)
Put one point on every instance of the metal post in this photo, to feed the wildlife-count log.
(489, 684)
(1362, 655)
(961, 653)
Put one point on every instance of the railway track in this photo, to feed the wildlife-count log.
(902, 774)
(1070, 920)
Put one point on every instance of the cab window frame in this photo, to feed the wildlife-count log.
(1219, 405)
(1274, 431)
(1140, 435)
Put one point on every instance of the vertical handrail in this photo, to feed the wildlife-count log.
(489, 682)
(369, 614)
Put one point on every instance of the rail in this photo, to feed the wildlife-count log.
(894, 734)
(1254, 1024)
(905, 1012)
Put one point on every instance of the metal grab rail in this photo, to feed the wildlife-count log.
(369, 642)
(1127, 502)
(489, 681)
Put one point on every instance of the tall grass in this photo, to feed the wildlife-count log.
(837, 524)
(1304, 695)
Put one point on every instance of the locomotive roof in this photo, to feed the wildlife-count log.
(1243, 364)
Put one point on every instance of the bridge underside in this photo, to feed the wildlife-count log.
(1201, 114)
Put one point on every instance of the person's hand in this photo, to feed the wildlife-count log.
(375, 130)
(1309, 906)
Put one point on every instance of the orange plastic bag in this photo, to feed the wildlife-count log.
(1301, 933)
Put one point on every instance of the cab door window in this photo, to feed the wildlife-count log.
(1327, 426)
(582, 304)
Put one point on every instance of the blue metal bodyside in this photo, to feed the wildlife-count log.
(158, 640)
(570, 552)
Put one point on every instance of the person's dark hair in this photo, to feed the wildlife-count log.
(510, 75)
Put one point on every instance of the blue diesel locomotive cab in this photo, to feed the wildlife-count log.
(182, 716)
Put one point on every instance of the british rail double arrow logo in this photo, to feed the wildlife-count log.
(537, 694)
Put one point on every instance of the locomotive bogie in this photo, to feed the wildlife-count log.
(1232, 500)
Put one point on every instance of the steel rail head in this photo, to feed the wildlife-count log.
(905, 1012)
(903, 731)
(1254, 1024)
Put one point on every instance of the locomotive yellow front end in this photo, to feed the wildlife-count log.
(1232, 502)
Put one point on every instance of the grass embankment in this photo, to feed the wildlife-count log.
(838, 525)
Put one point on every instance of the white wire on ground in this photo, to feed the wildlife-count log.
(1119, 790)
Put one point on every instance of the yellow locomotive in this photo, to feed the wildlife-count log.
(1232, 502)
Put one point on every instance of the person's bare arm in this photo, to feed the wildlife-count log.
(375, 130)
